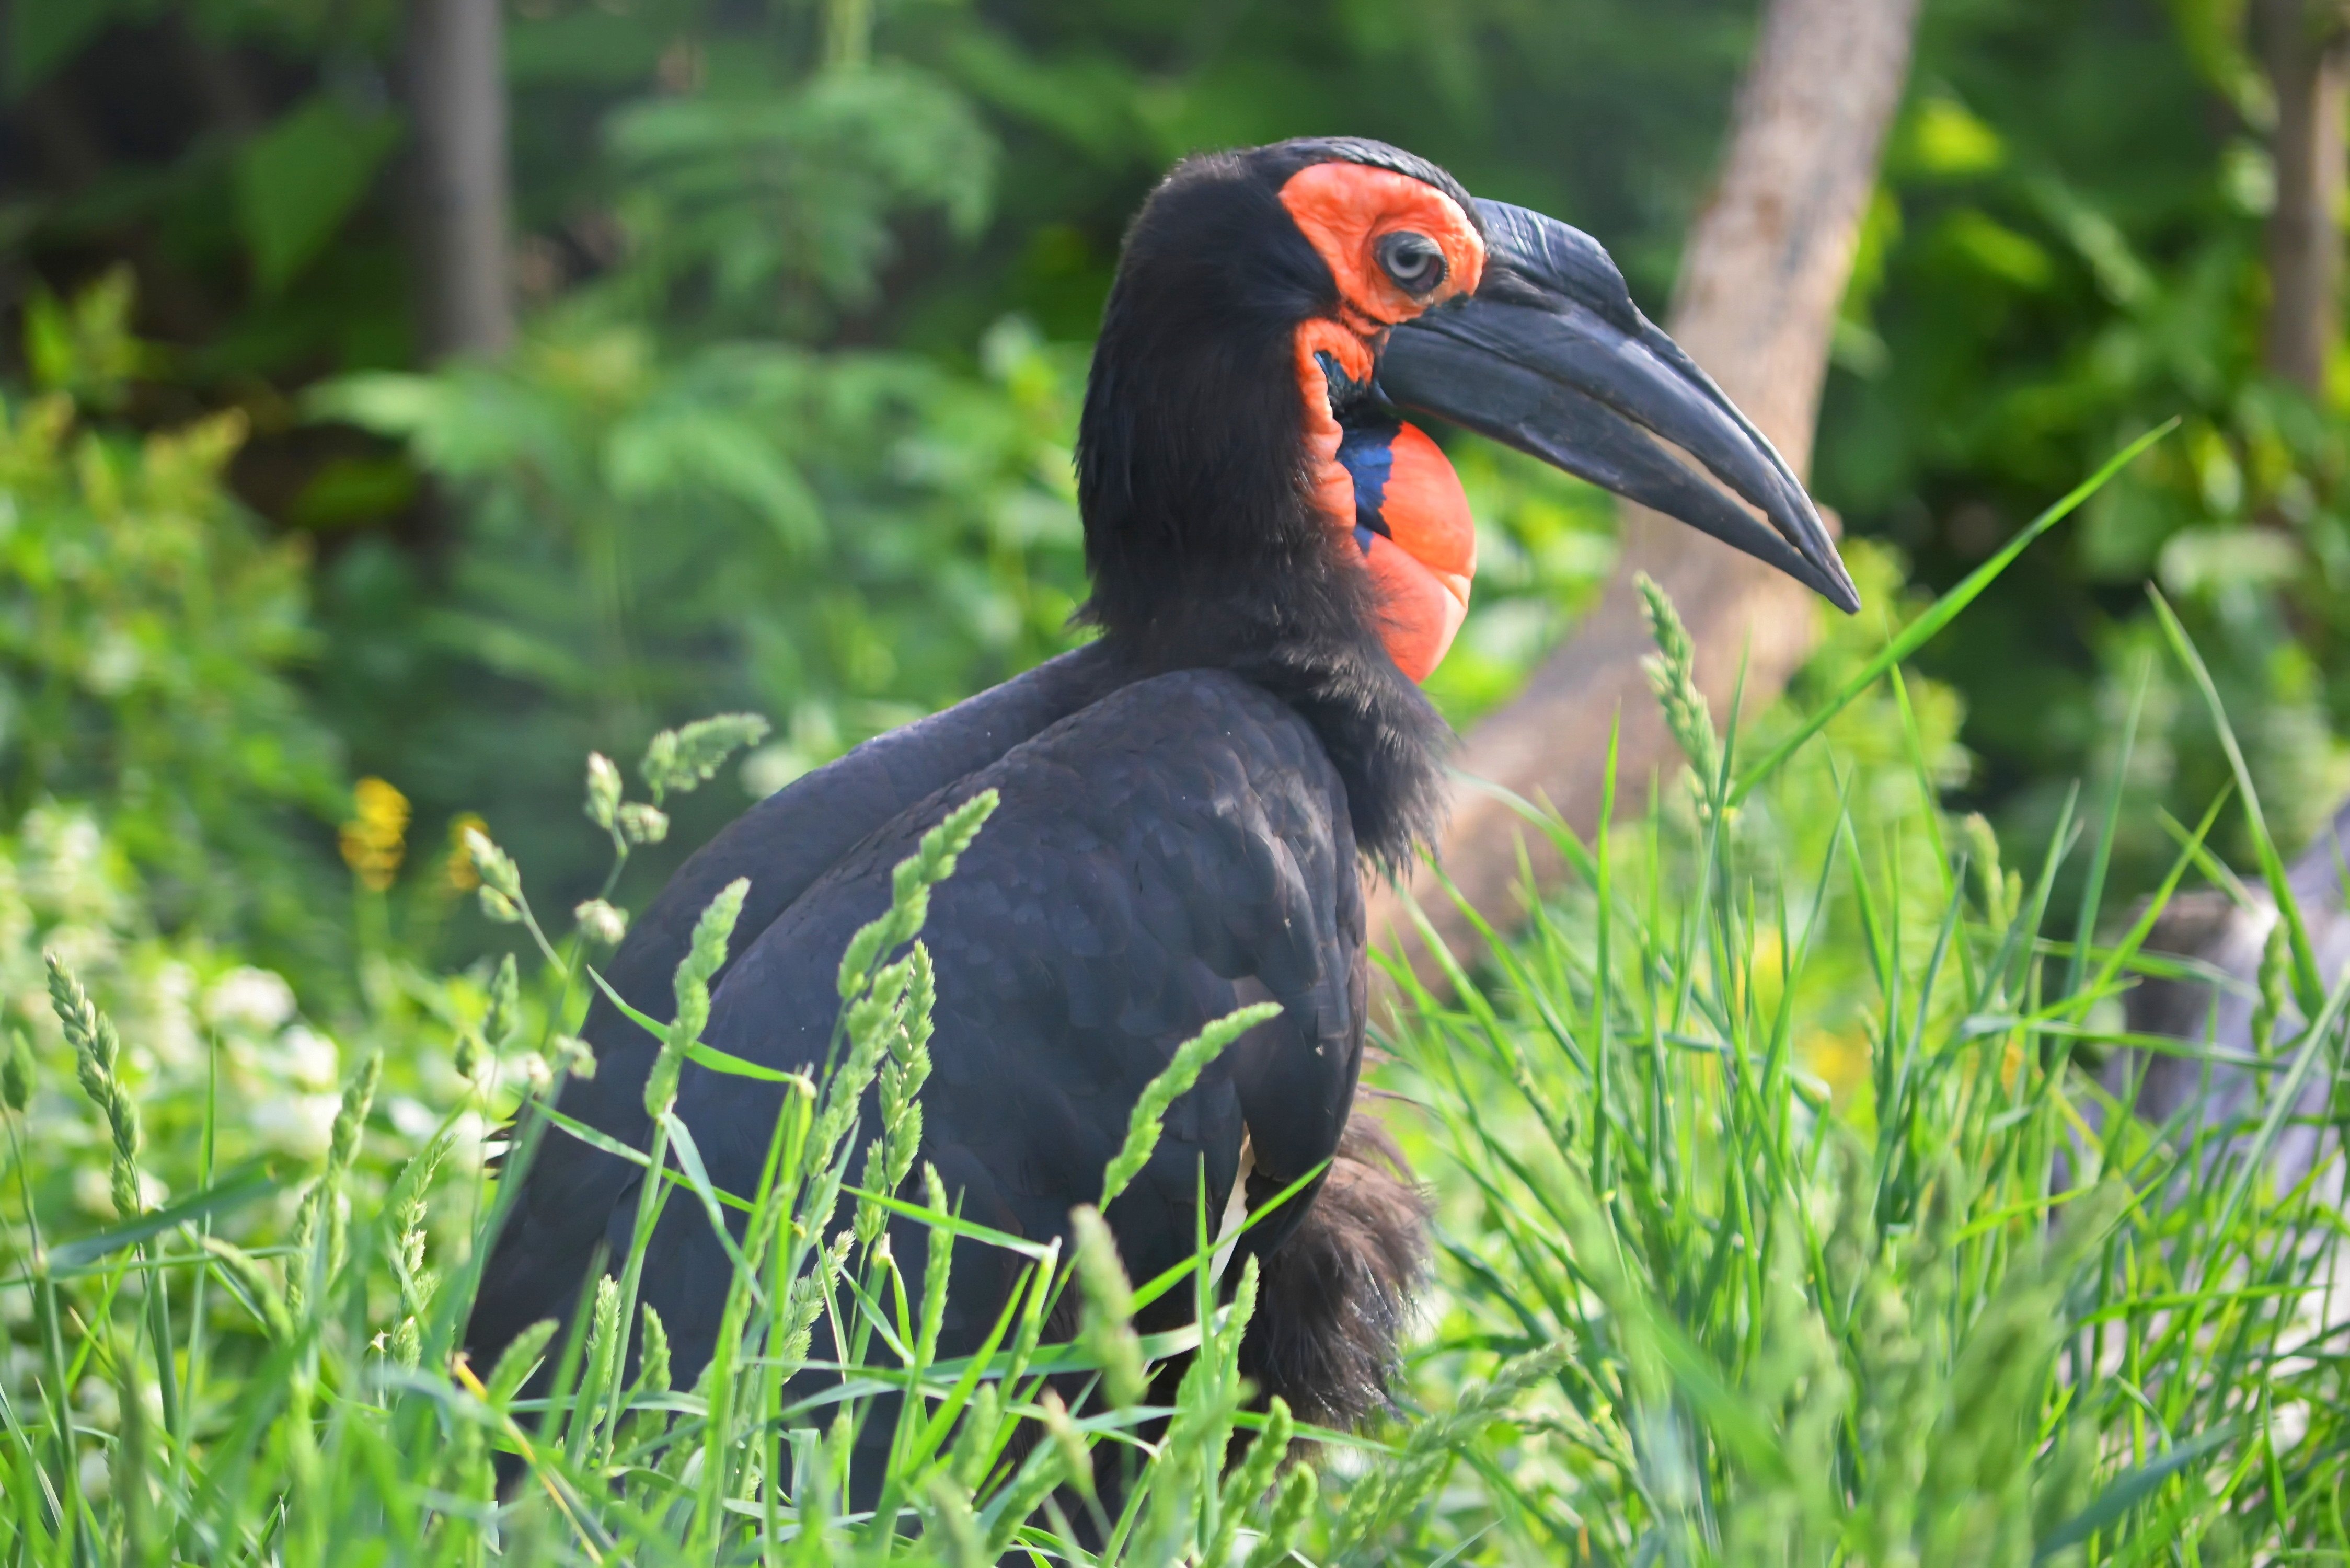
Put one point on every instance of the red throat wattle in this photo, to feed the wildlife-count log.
(1385, 484)
(1391, 488)
(1423, 561)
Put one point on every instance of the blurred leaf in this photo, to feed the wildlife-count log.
(1087, 101)
(297, 181)
(700, 447)
(1944, 141)
(347, 489)
(800, 188)
(2132, 1487)
(592, 46)
(231, 1193)
(46, 34)
(84, 346)
(2213, 32)
(1990, 246)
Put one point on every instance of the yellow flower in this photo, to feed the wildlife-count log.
(1841, 1057)
(376, 838)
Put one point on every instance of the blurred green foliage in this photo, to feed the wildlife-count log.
(149, 632)
(807, 293)
(170, 794)
(840, 541)
(2066, 249)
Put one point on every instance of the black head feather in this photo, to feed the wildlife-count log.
(1193, 477)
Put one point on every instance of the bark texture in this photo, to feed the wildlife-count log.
(2303, 44)
(459, 195)
(1761, 280)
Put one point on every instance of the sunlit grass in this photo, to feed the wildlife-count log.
(1960, 1308)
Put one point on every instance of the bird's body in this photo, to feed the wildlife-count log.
(1189, 804)
(1169, 847)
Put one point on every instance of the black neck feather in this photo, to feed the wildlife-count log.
(1193, 477)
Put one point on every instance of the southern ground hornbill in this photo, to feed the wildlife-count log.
(1188, 801)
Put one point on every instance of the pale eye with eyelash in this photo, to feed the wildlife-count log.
(1413, 261)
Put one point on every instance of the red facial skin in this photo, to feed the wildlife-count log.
(1422, 569)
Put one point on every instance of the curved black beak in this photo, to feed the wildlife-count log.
(1552, 357)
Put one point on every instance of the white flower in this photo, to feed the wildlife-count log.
(171, 1029)
(93, 1189)
(67, 870)
(88, 950)
(114, 663)
(311, 1059)
(16, 917)
(411, 1118)
(297, 1124)
(255, 999)
(96, 1399)
(469, 1143)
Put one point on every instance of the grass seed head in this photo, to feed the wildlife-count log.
(679, 760)
(601, 922)
(603, 802)
(503, 1015)
(642, 823)
(1106, 1326)
(1672, 675)
(517, 1360)
(492, 865)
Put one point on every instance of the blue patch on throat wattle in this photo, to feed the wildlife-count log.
(1368, 454)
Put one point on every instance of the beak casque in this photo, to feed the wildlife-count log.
(1550, 356)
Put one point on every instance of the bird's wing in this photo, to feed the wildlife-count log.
(1178, 844)
(782, 844)
(803, 830)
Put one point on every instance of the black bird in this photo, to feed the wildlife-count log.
(1188, 801)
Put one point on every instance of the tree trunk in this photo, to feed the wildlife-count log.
(1761, 284)
(456, 95)
(2302, 44)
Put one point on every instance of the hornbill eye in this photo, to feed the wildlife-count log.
(1414, 261)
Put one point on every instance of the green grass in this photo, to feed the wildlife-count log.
(1702, 1296)
(1967, 1312)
